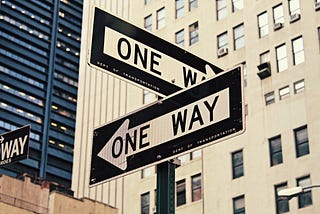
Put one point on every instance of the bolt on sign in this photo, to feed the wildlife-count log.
(138, 56)
(190, 119)
(14, 145)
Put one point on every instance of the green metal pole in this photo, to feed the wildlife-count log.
(165, 188)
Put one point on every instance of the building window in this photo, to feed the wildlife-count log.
(148, 97)
(193, 33)
(265, 57)
(301, 141)
(148, 22)
(179, 8)
(298, 86)
(282, 58)
(195, 154)
(180, 37)
(239, 205)
(237, 5)
(237, 164)
(298, 51)
(196, 187)
(193, 4)
(263, 24)
(305, 198)
(294, 7)
(319, 35)
(284, 92)
(147, 1)
(161, 21)
(223, 40)
(181, 192)
(278, 16)
(269, 98)
(147, 172)
(184, 158)
(282, 204)
(275, 150)
(221, 9)
(238, 34)
(145, 203)
(245, 76)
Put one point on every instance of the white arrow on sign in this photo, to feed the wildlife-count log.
(1, 139)
(182, 121)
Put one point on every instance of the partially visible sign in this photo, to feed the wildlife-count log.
(189, 119)
(142, 58)
(14, 145)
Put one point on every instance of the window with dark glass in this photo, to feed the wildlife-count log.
(181, 192)
(179, 8)
(263, 24)
(239, 205)
(237, 164)
(269, 98)
(275, 150)
(145, 203)
(304, 198)
(282, 204)
(196, 187)
(193, 33)
(301, 141)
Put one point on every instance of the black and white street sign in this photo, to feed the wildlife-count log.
(14, 145)
(191, 118)
(140, 57)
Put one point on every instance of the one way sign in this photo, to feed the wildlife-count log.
(193, 118)
(14, 145)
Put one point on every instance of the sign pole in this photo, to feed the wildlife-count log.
(165, 188)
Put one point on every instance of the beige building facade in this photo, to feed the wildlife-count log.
(278, 42)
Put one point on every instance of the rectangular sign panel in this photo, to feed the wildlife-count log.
(14, 145)
(140, 57)
(187, 120)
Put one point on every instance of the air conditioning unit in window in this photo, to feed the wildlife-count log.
(264, 70)
(317, 6)
(277, 26)
(294, 17)
(222, 52)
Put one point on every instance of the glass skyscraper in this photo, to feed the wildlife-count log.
(39, 60)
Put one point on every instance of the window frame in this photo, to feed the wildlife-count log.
(298, 143)
(240, 210)
(281, 59)
(222, 9)
(238, 38)
(196, 189)
(262, 25)
(179, 9)
(181, 193)
(145, 208)
(281, 202)
(235, 165)
(161, 18)
(297, 52)
(306, 195)
(177, 36)
(194, 33)
(146, 25)
(278, 18)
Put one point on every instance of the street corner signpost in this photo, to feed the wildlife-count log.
(138, 56)
(14, 145)
(192, 118)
